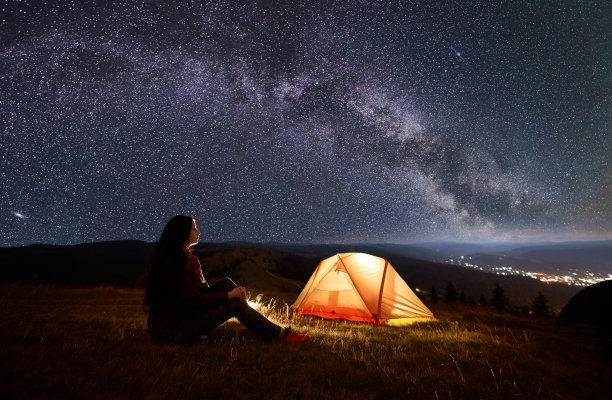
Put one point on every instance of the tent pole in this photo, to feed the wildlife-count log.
(382, 286)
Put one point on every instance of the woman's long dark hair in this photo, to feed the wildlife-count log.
(171, 246)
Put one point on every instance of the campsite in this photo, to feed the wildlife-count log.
(71, 341)
(403, 199)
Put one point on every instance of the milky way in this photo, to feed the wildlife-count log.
(305, 121)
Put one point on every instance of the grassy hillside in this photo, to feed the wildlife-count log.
(267, 270)
(92, 343)
(282, 273)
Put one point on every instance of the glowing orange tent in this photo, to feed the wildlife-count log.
(359, 287)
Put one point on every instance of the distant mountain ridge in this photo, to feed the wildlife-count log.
(464, 248)
(547, 257)
(593, 258)
(124, 263)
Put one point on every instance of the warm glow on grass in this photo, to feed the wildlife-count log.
(407, 321)
(253, 304)
(256, 303)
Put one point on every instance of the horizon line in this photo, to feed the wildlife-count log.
(340, 243)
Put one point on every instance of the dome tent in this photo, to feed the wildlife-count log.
(359, 287)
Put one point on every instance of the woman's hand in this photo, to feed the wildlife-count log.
(238, 291)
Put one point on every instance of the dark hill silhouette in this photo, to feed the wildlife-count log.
(596, 258)
(120, 263)
(455, 249)
(562, 257)
(592, 306)
(124, 263)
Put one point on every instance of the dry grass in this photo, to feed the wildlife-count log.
(92, 343)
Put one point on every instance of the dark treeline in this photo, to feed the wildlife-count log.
(539, 307)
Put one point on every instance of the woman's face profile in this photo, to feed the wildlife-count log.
(194, 235)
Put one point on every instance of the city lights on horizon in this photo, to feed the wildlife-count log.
(586, 278)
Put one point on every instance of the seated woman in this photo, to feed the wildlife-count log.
(182, 306)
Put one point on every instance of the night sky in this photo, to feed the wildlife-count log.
(348, 121)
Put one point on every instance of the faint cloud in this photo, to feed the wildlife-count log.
(394, 118)
(19, 215)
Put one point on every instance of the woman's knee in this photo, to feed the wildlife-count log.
(238, 305)
(238, 302)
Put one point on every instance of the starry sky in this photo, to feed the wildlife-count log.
(306, 121)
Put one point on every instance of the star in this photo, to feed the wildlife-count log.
(457, 53)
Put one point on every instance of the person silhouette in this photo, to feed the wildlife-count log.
(182, 306)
